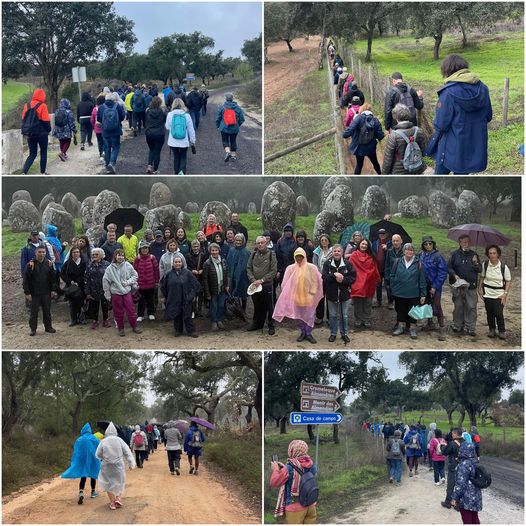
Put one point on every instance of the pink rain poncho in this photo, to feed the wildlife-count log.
(301, 291)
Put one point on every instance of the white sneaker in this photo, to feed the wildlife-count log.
(139, 318)
(151, 317)
(442, 481)
(437, 483)
(101, 158)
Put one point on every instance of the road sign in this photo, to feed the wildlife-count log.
(79, 74)
(315, 404)
(190, 76)
(298, 419)
(319, 391)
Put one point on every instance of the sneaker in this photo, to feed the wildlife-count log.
(446, 504)
(32, 333)
(410, 473)
(177, 472)
(367, 324)
(113, 506)
(390, 306)
(195, 472)
(172, 473)
(121, 332)
(398, 483)
(215, 328)
(412, 334)
(62, 157)
(108, 171)
(377, 304)
(442, 480)
(94, 494)
(437, 483)
(332, 338)
(390, 480)
(157, 172)
(227, 157)
(193, 335)
(271, 331)
(94, 325)
(233, 158)
(472, 333)
(81, 497)
(111, 168)
(191, 469)
(90, 144)
(106, 324)
(82, 147)
(492, 333)
(139, 318)
(346, 339)
(502, 335)
(51, 330)
(151, 317)
(149, 170)
(252, 328)
(300, 338)
(221, 325)
(101, 158)
(310, 338)
(137, 330)
(397, 332)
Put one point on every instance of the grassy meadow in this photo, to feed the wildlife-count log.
(12, 92)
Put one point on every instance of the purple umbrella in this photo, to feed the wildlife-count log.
(182, 425)
(479, 235)
(202, 422)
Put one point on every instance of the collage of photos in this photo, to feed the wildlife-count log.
(262, 262)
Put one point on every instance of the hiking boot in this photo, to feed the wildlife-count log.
(442, 334)
(121, 332)
(346, 339)
(412, 334)
(332, 338)
(472, 333)
(191, 469)
(51, 330)
(502, 335)
(492, 333)
(271, 331)
(72, 323)
(81, 497)
(215, 328)
(177, 334)
(195, 472)
(221, 325)
(32, 333)
(446, 504)
(94, 325)
(227, 157)
(177, 472)
(390, 305)
(82, 147)
(137, 330)
(149, 170)
(106, 324)
(300, 338)
(111, 168)
(310, 338)
(193, 335)
(397, 332)
(94, 494)
(252, 328)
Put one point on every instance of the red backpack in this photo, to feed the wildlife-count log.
(138, 440)
(229, 117)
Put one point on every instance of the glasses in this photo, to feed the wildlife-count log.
(428, 243)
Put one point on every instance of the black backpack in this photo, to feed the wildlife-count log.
(405, 98)
(308, 491)
(482, 477)
(31, 122)
(366, 134)
(61, 118)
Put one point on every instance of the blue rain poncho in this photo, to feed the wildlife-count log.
(84, 463)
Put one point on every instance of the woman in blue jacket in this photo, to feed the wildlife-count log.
(413, 449)
(463, 110)
(193, 446)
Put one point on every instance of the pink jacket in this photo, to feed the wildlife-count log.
(97, 128)
(351, 113)
(148, 270)
(433, 443)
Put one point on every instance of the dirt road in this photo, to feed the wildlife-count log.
(152, 496)
(417, 501)
(133, 155)
(159, 334)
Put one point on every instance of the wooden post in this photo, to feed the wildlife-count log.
(371, 83)
(505, 102)
(352, 63)
(360, 71)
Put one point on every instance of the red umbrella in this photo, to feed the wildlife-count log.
(202, 422)
(479, 235)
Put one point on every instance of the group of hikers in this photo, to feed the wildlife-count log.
(316, 284)
(103, 457)
(457, 454)
(459, 143)
(147, 109)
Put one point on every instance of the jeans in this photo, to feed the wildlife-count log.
(374, 162)
(465, 309)
(123, 304)
(396, 469)
(179, 159)
(85, 131)
(338, 316)
(438, 469)
(495, 314)
(174, 459)
(38, 300)
(217, 307)
(229, 141)
(195, 115)
(33, 144)
(112, 145)
(155, 144)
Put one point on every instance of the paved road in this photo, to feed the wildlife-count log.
(133, 155)
(507, 478)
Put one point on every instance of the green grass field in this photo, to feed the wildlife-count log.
(492, 58)
(12, 92)
(297, 115)
(417, 228)
(341, 471)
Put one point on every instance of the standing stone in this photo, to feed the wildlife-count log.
(160, 195)
(48, 198)
(469, 208)
(23, 216)
(105, 203)
(86, 212)
(413, 206)
(302, 206)
(278, 206)
(94, 233)
(252, 208)
(4, 214)
(71, 204)
(221, 211)
(374, 203)
(322, 225)
(143, 209)
(21, 195)
(233, 204)
(340, 205)
(185, 220)
(163, 216)
(332, 183)
(57, 215)
(191, 207)
(442, 210)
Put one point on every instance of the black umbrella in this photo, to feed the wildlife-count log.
(391, 229)
(125, 216)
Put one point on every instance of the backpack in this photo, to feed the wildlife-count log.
(196, 440)
(139, 102)
(348, 81)
(502, 271)
(110, 119)
(31, 122)
(395, 447)
(138, 440)
(366, 133)
(61, 118)
(178, 127)
(406, 99)
(229, 117)
(482, 477)
(308, 490)
(353, 113)
(413, 444)
(441, 444)
(412, 160)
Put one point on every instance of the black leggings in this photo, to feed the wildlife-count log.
(82, 484)
(374, 162)
(155, 143)
(495, 314)
(100, 143)
(179, 159)
(34, 143)
(229, 141)
(85, 131)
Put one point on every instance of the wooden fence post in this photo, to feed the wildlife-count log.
(360, 71)
(371, 83)
(352, 63)
(505, 102)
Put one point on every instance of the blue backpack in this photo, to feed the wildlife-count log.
(110, 119)
(178, 127)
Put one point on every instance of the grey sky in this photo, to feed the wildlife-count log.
(228, 23)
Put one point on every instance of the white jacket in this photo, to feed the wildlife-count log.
(190, 132)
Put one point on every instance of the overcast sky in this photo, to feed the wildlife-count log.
(229, 24)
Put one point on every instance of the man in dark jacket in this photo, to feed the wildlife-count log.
(237, 227)
(454, 440)
(28, 252)
(401, 92)
(194, 103)
(110, 246)
(395, 252)
(464, 263)
(338, 275)
(39, 286)
(178, 93)
(380, 247)
(158, 247)
(306, 244)
(84, 110)
(262, 268)
(353, 91)
(285, 247)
